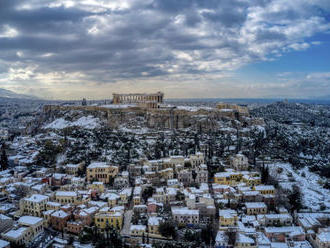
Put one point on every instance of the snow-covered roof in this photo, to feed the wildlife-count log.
(284, 229)
(184, 211)
(221, 237)
(154, 221)
(324, 237)
(227, 213)
(4, 243)
(65, 194)
(264, 187)
(241, 238)
(60, 214)
(16, 233)
(138, 227)
(255, 205)
(98, 165)
(29, 220)
(37, 198)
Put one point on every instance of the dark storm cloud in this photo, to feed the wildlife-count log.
(150, 38)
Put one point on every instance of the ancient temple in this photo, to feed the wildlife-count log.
(140, 99)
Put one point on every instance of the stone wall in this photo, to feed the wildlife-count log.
(168, 118)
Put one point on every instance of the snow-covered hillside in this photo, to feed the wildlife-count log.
(88, 122)
(313, 193)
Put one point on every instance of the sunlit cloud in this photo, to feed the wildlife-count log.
(70, 48)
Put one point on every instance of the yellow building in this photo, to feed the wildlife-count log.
(101, 172)
(73, 169)
(251, 180)
(153, 225)
(125, 194)
(53, 205)
(196, 159)
(137, 200)
(166, 173)
(33, 205)
(227, 218)
(138, 230)
(112, 219)
(244, 241)
(265, 189)
(65, 197)
(254, 208)
(29, 228)
(227, 178)
(97, 186)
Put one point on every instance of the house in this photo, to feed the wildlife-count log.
(138, 230)
(73, 169)
(183, 215)
(53, 205)
(227, 218)
(239, 162)
(196, 159)
(113, 219)
(323, 239)
(101, 172)
(275, 219)
(254, 208)
(33, 205)
(65, 197)
(59, 219)
(4, 244)
(35, 224)
(29, 228)
(153, 224)
(280, 234)
(75, 227)
(221, 240)
(265, 189)
(18, 236)
(5, 223)
(243, 240)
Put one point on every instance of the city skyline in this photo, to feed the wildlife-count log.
(187, 49)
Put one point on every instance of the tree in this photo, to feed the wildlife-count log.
(231, 234)
(295, 199)
(147, 192)
(48, 153)
(167, 229)
(3, 158)
(143, 238)
(179, 196)
(194, 174)
(264, 174)
(207, 234)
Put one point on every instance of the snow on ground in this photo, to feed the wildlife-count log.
(193, 108)
(136, 131)
(119, 106)
(313, 193)
(88, 122)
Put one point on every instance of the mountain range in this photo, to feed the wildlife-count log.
(10, 94)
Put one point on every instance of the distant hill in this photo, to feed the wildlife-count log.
(12, 95)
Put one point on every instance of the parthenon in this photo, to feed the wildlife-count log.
(141, 99)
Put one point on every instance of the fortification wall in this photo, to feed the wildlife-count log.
(153, 118)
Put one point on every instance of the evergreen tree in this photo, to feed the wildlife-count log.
(4, 158)
(143, 238)
(295, 199)
(167, 229)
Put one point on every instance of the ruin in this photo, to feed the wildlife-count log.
(140, 99)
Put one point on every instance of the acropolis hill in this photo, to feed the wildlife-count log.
(150, 111)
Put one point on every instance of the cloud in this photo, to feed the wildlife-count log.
(49, 42)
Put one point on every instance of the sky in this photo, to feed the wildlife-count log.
(70, 49)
